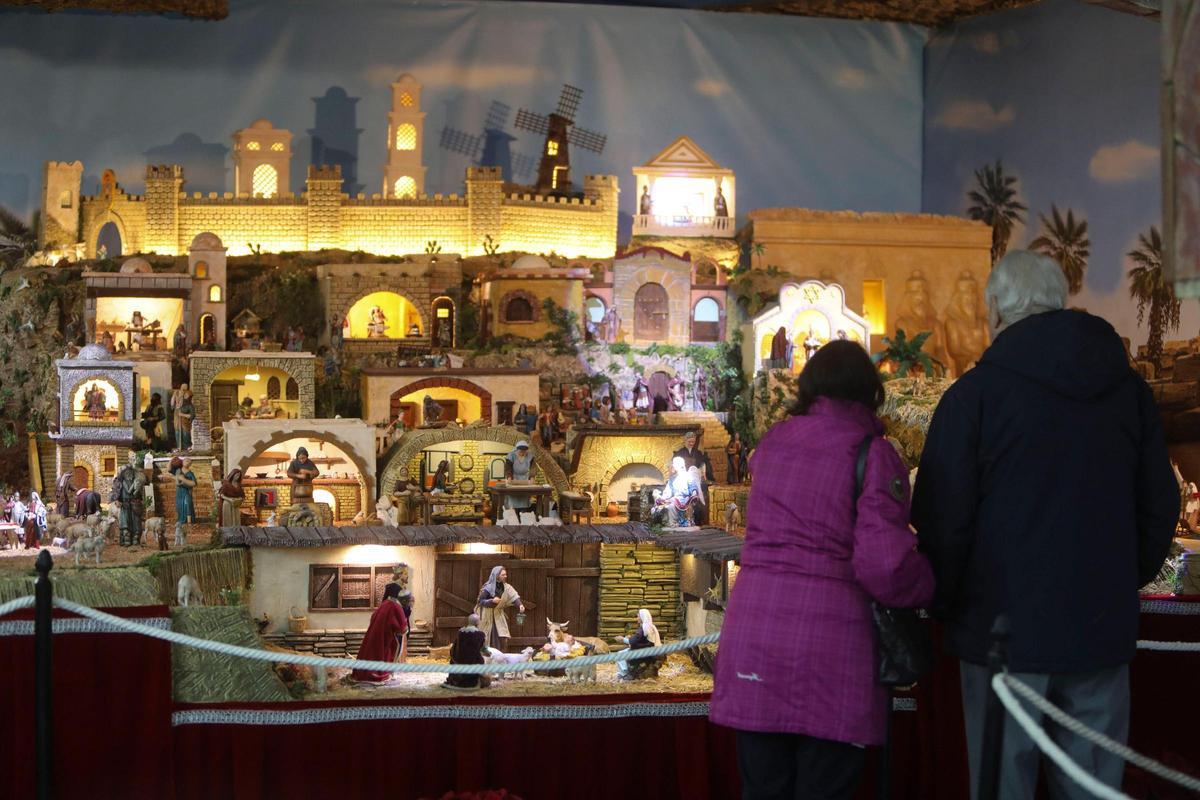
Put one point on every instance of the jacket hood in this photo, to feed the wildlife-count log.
(1074, 353)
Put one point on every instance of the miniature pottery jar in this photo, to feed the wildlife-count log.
(613, 509)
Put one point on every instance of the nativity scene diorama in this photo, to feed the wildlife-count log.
(454, 419)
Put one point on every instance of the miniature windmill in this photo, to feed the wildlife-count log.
(554, 171)
(492, 148)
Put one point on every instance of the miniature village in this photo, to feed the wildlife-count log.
(266, 406)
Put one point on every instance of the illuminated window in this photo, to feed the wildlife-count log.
(406, 99)
(214, 294)
(552, 148)
(405, 187)
(277, 147)
(201, 269)
(266, 180)
(253, 146)
(554, 179)
(64, 199)
(406, 137)
(875, 306)
(443, 313)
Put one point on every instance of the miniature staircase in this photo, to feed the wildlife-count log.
(47, 459)
(713, 438)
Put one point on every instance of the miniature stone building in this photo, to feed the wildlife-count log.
(652, 290)
(262, 157)
(513, 298)
(404, 175)
(682, 191)
(467, 394)
(96, 417)
(220, 382)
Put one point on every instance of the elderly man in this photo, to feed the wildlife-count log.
(1045, 494)
(693, 456)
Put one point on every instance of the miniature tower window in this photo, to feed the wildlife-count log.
(208, 329)
(262, 157)
(273, 387)
(201, 269)
(64, 199)
(404, 174)
(206, 254)
(551, 148)
(214, 294)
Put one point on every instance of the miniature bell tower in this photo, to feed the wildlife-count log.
(262, 156)
(404, 175)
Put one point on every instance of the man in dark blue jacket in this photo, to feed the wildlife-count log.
(1045, 493)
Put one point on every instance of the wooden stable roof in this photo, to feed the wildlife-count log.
(712, 543)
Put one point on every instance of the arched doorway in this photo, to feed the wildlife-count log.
(208, 329)
(109, 238)
(650, 312)
(345, 482)
(383, 315)
(459, 399)
(81, 478)
(443, 322)
(706, 320)
(624, 479)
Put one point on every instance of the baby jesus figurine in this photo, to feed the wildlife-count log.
(681, 494)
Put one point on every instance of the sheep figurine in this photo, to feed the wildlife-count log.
(154, 531)
(91, 543)
(733, 518)
(494, 656)
(189, 590)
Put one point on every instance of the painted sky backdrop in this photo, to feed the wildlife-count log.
(1067, 96)
(821, 113)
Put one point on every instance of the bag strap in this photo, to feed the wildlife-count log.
(860, 466)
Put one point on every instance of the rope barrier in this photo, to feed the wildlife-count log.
(1005, 685)
(580, 662)
(16, 605)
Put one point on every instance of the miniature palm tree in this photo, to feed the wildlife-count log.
(17, 240)
(1150, 290)
(1066, 241)
(995, 203)
(904, 354)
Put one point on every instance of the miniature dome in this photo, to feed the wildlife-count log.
(531, 262)
(94, 352)
(136, 265)
(406, 78)
(207, 241)
(262, 124)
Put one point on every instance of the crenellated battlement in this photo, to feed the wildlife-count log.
(325, 172)
(484, 174)
(164, 172)
(549, 200)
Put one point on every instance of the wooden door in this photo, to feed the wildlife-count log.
(223, 396)
(650, 312)
(458, 578)
(575, 587)
(79, 479)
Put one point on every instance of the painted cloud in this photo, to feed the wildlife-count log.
(974, 115)
(1130, 161)
(851, 78)
(710, 87)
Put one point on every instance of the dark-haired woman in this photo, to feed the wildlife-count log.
(384, 640)
(796, 674)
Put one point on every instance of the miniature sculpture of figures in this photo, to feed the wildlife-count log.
(720, 207)
(302, 471)
(440, 476)
(87, 502)
(152, 416)
(16, 510)
(64, 492)
(917, 316)
(495, 598)
(468, 648)
(378, 325)
(546, 427)
(645, 204)
(384, 640)
(524, 420)
(701, 390)
(811, 345)
(181, 341)
(431, 410)
(693, 456)
(781, 349)
(733, 518)
(681, 494)
(128, 495)
(733, 458)
(675, 394)
(185, 412)
(518, 466)
(136, 325)
(612, 324)
(291, 341)
(444, 337)
(966, 324)
(646, 635)
(232, 495)
(641, 396)
(185, 482)
(94, 402)
(387, 512)
(264, 409)
(335, 333)
(107, 340)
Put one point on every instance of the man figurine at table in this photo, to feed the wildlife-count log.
(693, 456)
(127, 493)
(302, 471)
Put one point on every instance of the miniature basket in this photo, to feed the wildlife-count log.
(296, 622)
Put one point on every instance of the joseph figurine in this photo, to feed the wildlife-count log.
(127, 493)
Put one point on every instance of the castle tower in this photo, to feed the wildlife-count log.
(324, 207)
(485, 196)
(163, 183)
(206, 265)
(262, 155)
(60, 204)
(404, 175)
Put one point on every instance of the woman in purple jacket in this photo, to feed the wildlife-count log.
(796, 666)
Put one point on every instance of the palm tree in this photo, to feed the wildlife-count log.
(1147, 287)
(18, 241)
(1066, 241)
(995, 203)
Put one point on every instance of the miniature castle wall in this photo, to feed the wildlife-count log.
(166, 219)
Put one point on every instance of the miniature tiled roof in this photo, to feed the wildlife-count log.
(704, 543)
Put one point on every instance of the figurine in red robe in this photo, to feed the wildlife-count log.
(385, 635)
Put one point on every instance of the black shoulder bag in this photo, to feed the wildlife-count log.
(905, 646)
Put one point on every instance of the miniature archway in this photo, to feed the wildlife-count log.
(280, 438)
(442, 334)
(706, 320)
(417, 441)
(399, 315)
(112, 227)
(208, 329)
(90, 408)
(458, 385)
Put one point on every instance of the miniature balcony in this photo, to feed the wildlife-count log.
(660, 225)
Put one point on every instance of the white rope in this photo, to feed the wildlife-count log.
(1095, 737)
(580, 662)
(16, 605)
(1169, 646)
(1047, 745)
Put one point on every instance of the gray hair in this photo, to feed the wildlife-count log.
(1024, 283)
(473, 620)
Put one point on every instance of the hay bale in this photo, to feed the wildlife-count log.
(202, 676)
(104, 587)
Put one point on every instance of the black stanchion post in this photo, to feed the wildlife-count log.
(993, 720)
(42, 632)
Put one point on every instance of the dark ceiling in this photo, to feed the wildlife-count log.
(921, 12)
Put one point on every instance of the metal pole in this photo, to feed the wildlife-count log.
(993, 720)
(42, 631)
